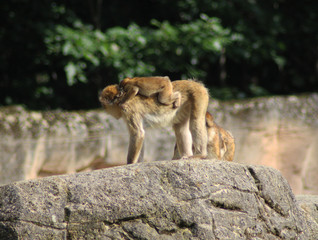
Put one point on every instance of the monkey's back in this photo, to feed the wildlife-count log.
(157, 115)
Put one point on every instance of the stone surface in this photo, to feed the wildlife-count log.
(193, 199)
(281, 132)
(309, 203)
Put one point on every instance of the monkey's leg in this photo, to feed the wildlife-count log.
(137, 135)
(199, 136)
(165, 96)
(198, 123)
(184, 139)
(199, 131)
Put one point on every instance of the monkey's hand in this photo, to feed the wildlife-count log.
(177, 101)
(126, 95)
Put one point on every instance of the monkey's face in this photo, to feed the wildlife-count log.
(110, 95)
(109, 99)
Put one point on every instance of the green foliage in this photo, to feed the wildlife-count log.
(141, 51)
(59, 54)
(276, 53)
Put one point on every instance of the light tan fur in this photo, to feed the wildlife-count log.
(221, 143)
(148, 86)
(188, 121)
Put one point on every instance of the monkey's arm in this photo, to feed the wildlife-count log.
(137, 135)
(130, 92)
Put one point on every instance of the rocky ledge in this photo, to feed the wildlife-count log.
(193, 199)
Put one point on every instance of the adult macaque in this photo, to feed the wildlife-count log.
(148, 86)
(221, 143)
(188, 120)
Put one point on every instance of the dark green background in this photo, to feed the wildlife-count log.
(60, 54)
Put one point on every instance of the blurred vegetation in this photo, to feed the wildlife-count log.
(60, 54)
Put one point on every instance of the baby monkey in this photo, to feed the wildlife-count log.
(220, 141)
(221, 144)
(147, 86)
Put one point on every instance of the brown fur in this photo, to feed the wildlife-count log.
(188, 121)
(221, 143)
(148, 86)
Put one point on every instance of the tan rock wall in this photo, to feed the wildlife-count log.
(281, 132)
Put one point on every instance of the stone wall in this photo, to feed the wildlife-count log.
(36, 144)
(185, 199)
(281, 132)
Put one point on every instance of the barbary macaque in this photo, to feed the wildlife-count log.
(221, 143)
(148, 86)
(188, 120)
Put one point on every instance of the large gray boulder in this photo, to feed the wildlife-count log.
(310, 205)
(193, 199)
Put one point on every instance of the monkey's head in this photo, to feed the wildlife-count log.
(110, 99)
(110, 95)
(209, 119)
